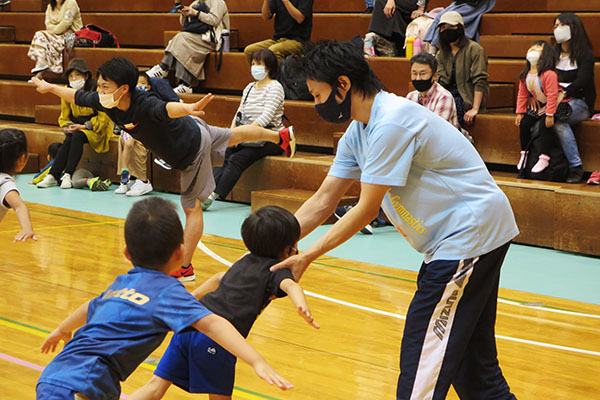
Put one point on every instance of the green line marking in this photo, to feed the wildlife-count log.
(25, 325)
(264, 396)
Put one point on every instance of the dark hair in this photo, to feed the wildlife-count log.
(144, 75)
(461, 41)
(268, 231)
(580, 41)
(326, 61)
(53, 4)
(152, 232)
(269, 59)
(546, 63)
(13, 144)
(53, 149)
(425, 59)
(121, 71)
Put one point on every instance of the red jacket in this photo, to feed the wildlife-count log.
(549, 88)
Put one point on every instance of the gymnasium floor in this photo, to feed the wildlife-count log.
(548, 325)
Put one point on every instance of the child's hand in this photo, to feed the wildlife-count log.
(24, 235)
(54, 339)
(549, 121)
(196, 108)
(266, 372)
(305, 313)
(561, 97)
(41, 85)
(518, 119)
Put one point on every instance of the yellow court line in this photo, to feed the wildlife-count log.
(23, 328)
(62, 226)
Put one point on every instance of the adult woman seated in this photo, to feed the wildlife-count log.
(261, 105)
(62, 16)
(203, 22)
(462, 68)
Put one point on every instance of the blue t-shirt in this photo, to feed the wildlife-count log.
(125, 324)
(441, 197)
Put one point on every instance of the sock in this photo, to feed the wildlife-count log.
(125, 176)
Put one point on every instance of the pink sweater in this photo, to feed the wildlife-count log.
(550, 89)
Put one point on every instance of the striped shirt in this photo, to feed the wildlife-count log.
(438, 100)
(264, 105)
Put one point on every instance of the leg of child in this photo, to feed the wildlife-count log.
(125, 149)
(80, 177)
(527, 122)
(192, 233)
(155, 389)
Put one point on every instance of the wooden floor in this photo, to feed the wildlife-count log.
(353, 356)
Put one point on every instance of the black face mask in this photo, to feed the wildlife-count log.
(449, 35)
(332, 111)
(423, 85)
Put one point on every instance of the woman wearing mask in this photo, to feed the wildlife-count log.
(62, 16)
(81, 125)
(203, 22)
(575, 69)
(261, 105)
(462, 68)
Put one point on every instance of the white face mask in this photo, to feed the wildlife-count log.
(77, 84)
(562, 34)
(533, 57)
(108, 100)
(258, 72)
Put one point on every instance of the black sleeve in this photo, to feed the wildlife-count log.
(88, 99)
(273, 6)
(585, 72)
(154, 107)
(275, 280)
(305, 7)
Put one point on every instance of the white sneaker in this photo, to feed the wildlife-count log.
(183, 89)
(39, 68)
(66, 182)
(157, 72)
(124, 188)
(139, 188)
(48, 181)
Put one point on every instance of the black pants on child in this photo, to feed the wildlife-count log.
(527, 123)
(237, 159)
(69, 154)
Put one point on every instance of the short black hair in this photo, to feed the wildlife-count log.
(13, 144)
(153, 232)
(269, 59)
(327, 60)
(268, 231)
(425, 59)
(143, 74)
(53, 149)
(121, 71)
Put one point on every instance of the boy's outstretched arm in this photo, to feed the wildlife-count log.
(222, 332)
(16, 203)
(209, 285)
(66, 93)
(64, 331)
(296, 294)
(177, 110)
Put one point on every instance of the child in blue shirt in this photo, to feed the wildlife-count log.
(127, 322)
(196, 363)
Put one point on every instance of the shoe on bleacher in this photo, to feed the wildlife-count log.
(288, 141)
(66, 182)
(575, 174)
(156, 72)
(594, 178)
(342, 210)
(176, 8)
(39, 68)
(48, 181)
(183, 89)
(139, 188)
(162, 163)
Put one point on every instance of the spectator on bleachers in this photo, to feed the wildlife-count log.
(430, 94)
(261, 105)
(471, 11)
(52, 152)
(538, 80)
(203, 22)
(369, 4)
(388, 25)
(81, 125)
(62, 16)
(575, 68)
(176, 7)
(462, 68)
(292, 27)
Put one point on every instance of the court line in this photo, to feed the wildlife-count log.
(64, 226)
(217, 257)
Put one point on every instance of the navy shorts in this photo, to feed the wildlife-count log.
(47, 391)
(197, 364)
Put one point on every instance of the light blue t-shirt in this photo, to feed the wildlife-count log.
(125, 324)
(441, 197)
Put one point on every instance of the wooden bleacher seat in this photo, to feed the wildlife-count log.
(7, 34)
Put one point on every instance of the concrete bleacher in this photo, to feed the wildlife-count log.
(562, 213)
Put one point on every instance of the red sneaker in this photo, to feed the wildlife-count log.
(184, 274)
(594, 178)
(288, 141)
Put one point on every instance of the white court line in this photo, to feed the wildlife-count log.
(217, 257)
(514, 303)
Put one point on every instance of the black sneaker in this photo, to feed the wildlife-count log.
(369, 10)
(575, 175)
(339, 213)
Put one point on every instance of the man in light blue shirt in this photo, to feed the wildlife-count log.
(436, 190)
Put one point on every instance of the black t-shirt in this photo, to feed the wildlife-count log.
(245, 290)
(176, 141)
(286, 27)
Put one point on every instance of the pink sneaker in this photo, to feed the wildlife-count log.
(594, 178)
(541, 165)
(521, 160)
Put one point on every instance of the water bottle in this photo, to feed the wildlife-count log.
(409, 47)
(368, 48)
(225, 38)
(417, 46)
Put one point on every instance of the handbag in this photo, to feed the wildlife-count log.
(563, 112)
(192, 24)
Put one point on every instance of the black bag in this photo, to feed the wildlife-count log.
(563, 112)
(193, 25)
(293, 79)
(95, 36)
(558, 167)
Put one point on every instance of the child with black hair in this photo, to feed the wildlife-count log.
(52, 152)
(13, 157)
(196, 363)
(125, 324)
(540, 81)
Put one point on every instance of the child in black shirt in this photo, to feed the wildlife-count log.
(193, 361)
